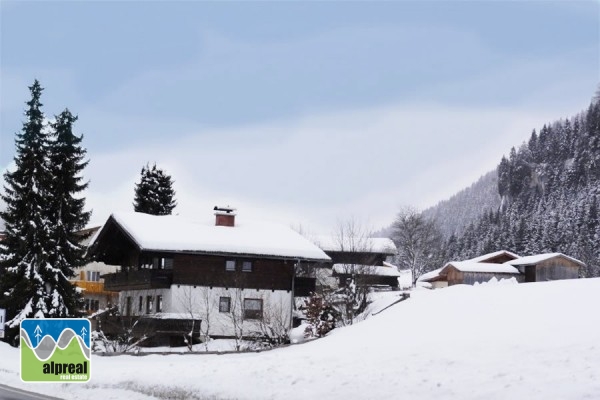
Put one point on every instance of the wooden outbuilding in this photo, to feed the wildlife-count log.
(547, 267)
(469, 273)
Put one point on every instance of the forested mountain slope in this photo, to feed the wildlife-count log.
(549, 190)
(453, 215)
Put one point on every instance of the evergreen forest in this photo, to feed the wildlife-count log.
(549, 191)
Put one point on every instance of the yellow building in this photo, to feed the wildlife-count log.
(89, 279)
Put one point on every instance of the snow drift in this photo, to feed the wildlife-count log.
(527, 341)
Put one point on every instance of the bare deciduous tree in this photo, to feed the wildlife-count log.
(354, 239)
(419, 242)
(197, 304)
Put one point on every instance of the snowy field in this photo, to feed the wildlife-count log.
(527, 341)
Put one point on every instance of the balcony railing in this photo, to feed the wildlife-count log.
(91, 287)
(141, 279)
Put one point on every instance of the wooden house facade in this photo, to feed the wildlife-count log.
(228, 276)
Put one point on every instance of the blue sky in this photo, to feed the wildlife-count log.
(302, 112)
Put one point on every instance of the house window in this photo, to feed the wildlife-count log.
(253, 308)
(91, 305)
(247, 266)
(224, 304)
(159, 304)
(93, 276)
(229, 265)
(162, 263)
(149, 301)
(141, 304)
(128, 306)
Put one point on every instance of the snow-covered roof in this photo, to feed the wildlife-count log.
(175, 233)
(430, 275)
(493, 255)
(365, 270)
(363, 245)
(529, 260)
(470, 266)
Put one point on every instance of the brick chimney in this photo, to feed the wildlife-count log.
(224, 216)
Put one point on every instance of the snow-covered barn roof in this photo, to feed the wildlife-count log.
(363, 245)
(530, 260)
(377, 270)
(495, 254)
(429, 276)
(177, 234)
(470, 266)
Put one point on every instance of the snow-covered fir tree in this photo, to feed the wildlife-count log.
(154, 193)
(33, 282)
(67, 214)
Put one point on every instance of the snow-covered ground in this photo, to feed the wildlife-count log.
(526, 341)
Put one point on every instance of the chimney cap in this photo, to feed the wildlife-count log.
(226, 210)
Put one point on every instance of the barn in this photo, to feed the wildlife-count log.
(547, 267)
(504, 265)
(468, 272)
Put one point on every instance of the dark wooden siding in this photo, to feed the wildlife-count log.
(368, 280)
(114, 247)
(208, 270)
(142, 279)
(349, 257)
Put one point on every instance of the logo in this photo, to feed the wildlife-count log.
(55, 350)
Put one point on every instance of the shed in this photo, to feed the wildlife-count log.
(468, 272)
(547, 267)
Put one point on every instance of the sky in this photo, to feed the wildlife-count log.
(303, 113)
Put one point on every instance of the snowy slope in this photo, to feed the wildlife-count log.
(456, 213)
(526, 341)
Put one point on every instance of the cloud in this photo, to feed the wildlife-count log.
(317, 170)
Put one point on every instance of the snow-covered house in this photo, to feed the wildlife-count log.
(504, 265)
(365, 259)
(236, 277)
(469, 272)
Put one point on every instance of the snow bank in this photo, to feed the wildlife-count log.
(527, 341)
(494, 281)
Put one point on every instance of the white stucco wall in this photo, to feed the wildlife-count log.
(185, 301)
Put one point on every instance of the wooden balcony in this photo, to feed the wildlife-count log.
(90, 287)
(141, 279)
(158, 330)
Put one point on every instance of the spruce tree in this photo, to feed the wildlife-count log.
(67, 211)
(26, 283)
(154, 194)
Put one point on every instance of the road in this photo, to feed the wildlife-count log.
(11, 393)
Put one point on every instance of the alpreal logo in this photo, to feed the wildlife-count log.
(55, 350)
